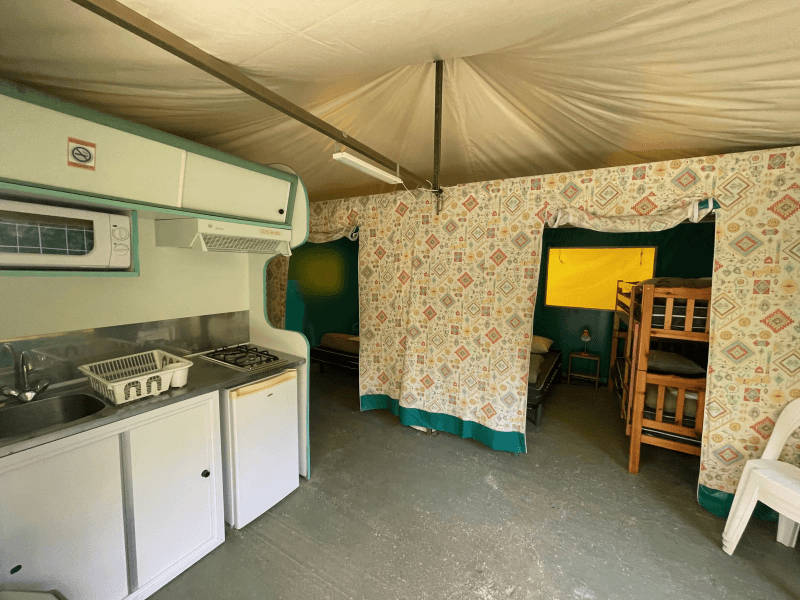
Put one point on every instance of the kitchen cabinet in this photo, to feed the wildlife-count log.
(61, 520)
(117, 511)
(174, 475)
(213, 186)
(36, 144)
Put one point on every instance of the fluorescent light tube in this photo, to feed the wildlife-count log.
(365, 167)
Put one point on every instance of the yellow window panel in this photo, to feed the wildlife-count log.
(587, 277)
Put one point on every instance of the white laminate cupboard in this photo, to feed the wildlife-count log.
(174, 479)
(34, 148)
(61, 521)
(117, 511)
(212, 186)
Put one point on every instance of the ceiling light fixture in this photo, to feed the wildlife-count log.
(365, 167)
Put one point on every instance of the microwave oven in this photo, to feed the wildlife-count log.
(38, 236)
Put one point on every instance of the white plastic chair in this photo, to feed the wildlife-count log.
(776, 484)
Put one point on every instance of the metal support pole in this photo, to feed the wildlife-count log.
(437, 134)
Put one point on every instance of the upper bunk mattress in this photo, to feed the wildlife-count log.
(679, 282)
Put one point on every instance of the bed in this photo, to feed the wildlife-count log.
(341, 350)
(549, 368)
(338, 349)
(667, 327)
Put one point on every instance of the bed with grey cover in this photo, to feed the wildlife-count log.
(544, 371)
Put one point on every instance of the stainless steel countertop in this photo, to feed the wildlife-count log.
(204, 377)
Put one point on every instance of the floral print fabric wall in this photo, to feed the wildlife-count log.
(448, 299)
(446, 305)
(277, 282)
(754, 361)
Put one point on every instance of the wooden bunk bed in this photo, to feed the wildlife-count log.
(661, 409)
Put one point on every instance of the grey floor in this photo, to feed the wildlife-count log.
(392, 513)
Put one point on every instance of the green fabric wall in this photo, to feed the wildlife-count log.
(327, 281)
(684, 251)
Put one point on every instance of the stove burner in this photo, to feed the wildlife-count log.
(243, 355)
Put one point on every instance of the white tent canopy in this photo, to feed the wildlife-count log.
(531, 87)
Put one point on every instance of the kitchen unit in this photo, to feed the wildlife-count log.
(117, 502)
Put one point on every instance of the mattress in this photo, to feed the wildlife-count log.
(343, 342)
(550, 360)
(550, 367)
(678, 282)
(549, 370)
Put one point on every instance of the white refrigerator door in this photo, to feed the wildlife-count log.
(264, 446)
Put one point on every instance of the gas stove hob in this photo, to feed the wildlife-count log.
(245, 357)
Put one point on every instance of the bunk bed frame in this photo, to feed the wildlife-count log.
(657, 313)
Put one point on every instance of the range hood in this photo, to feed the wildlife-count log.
(220, 236)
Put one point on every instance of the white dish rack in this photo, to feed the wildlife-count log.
(137, 376)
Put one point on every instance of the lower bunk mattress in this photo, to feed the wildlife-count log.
(339, 349)
(539, 388)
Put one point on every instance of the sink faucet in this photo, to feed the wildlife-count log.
(22, 389)
(8, 347)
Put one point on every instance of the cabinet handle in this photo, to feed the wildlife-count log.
(280, 211)
(205, 473)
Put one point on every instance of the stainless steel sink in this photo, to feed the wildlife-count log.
(21, 419)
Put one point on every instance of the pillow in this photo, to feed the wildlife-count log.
(539, 344)
(669, 362)
(534, 365)
(671, 400)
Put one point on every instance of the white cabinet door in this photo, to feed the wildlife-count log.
(61, 522)
(175, 492)
(35, 146)
(217, 187)
(263, 446)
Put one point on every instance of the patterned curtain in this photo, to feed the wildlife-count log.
(335, 219)
(447, 301)
(446, 308)
(277, 281)
(754, 362)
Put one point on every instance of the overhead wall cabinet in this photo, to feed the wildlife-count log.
(51, 144)
(210, 184)
(37, 146)
(118, 511)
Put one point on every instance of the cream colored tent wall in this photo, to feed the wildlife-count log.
(530, 87)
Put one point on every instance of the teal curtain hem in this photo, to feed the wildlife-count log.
(719, 503)
(507, 441)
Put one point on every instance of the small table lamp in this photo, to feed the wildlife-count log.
(585, 338)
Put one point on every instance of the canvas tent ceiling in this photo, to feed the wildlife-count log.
(531, 86)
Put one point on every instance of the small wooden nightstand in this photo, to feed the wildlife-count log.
(587, 356)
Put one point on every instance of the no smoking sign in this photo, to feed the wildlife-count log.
(81, 154)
